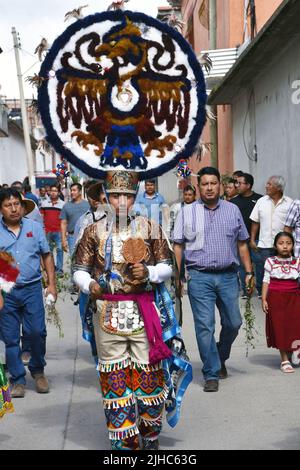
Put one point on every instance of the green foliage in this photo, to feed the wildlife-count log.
(52, 314)
(249, 325)
(75, 179)
(53, 318)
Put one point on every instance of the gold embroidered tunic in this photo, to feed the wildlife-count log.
(90, 254)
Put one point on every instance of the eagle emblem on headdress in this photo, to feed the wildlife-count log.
(124, 96)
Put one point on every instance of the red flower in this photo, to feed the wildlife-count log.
(29, 234)
(8, 271)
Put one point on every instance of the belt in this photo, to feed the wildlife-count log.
(20, 286)
(215, 271)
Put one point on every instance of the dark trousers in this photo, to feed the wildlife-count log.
(24, 306)
(258, 259)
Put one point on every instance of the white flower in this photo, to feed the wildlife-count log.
(5, 285)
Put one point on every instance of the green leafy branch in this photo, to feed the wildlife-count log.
(53, 318)
(249, 325)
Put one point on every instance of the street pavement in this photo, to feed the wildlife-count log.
(257, 407)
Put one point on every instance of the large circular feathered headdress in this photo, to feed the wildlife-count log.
(122, 91)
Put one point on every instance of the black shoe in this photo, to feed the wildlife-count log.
(211, 386)
(150, 445)
(223, 374)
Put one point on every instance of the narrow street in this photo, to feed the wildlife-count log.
(254, 408)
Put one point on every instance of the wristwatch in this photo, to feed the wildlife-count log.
(249, 273)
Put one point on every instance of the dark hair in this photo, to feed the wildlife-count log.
(89, 183)
(284, 234)
(7, 193)
(54, 186)
(248, 179)
(208, 170)
(230, 180)
(27, 188)
(152, 181)
(190, 187)
(238, 173)
(16, 183)
(79, 186)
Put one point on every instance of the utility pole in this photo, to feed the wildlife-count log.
(29, 155)
(213, 46)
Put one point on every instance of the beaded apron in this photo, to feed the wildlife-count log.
(121, 318)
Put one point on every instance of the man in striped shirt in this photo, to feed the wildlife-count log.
(50, 211)
(292, 224)
(213, 234)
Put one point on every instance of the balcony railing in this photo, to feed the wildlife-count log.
(222, 61)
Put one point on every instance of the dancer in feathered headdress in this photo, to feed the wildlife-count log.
(122, 97)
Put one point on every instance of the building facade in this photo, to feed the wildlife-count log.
(263, 91)
(237, 23)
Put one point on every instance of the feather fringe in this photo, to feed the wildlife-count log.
(118, 365)
(155, 400)
(123, 434)
(209, 114)
(146, 367)
(113, 366)
(206, 62)
(150, 422)
(114, 404)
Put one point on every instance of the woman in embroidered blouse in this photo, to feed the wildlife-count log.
(281, 299)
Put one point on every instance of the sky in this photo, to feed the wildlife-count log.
(35, 19)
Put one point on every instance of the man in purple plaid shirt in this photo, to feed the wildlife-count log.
(213, 233)
(292, 223)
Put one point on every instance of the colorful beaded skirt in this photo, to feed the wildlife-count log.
(6, 405)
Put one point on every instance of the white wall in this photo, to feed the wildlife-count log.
(167, 187)
(276, 122)
(13, 164)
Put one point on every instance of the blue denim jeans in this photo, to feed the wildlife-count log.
(71, 244)
(258, 263)
(259, 257)
(24, 305)
(205, 291)
(54, 240)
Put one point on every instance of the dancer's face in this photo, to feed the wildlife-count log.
(121, 202)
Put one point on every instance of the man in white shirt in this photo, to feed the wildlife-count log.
(268, 218)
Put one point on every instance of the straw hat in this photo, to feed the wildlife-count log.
(95, 190)
(28, 204)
